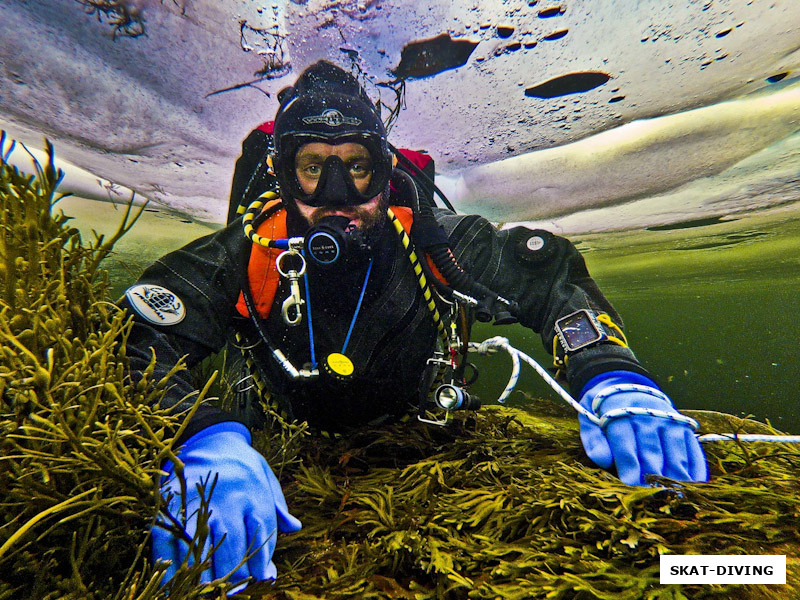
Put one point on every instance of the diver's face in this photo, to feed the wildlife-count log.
(356, 158)
(310, 158)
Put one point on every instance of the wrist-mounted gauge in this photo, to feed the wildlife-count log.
(579, 330)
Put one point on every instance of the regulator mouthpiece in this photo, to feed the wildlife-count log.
(333, 241)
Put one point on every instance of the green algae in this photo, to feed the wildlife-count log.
(502, 504)
(81, 444)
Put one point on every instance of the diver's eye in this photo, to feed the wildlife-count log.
(360, 169)
(312, 170)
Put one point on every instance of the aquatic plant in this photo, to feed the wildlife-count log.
(81, 444)
(502, 504)
(505, 505)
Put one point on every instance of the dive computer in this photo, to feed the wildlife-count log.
(579, 330)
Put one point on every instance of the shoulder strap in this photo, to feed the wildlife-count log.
(406, 217)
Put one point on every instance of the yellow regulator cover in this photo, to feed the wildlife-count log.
(338, 365)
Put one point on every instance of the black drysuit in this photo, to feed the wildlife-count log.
(393, 335)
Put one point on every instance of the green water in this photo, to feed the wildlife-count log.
(157, 232)
(713, 310)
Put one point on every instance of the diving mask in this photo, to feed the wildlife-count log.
(336, 185)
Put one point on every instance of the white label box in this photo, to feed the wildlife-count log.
(723, 568)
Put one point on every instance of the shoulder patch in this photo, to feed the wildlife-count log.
(156, 304)
(534, 245)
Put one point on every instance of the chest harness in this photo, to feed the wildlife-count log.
(275, 256)
(265, 225)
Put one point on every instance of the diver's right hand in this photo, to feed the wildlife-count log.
(247, 506)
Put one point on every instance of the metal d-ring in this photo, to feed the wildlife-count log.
(286, 254)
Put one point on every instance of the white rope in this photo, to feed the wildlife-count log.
(501, 342)
(624, 388)
(488, 346)
(748, 437)
(632, 411)
(610, 390)
(493, 344)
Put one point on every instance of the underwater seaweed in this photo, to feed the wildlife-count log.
(502, 504)
(81, 444)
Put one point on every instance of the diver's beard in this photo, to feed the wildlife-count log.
(369, 219)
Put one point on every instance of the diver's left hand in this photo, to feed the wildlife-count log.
(643, 443)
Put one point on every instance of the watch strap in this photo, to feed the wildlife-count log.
(609, 331)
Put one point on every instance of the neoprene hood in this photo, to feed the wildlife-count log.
(327, 104)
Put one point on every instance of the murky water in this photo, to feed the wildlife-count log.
(712, 310)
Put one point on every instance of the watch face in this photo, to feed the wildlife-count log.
(578, 330)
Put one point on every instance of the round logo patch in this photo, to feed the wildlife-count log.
(156, 304)
(535, 243)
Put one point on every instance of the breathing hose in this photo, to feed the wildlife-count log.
(434, 241)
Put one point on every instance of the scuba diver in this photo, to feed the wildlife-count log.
(350, 294)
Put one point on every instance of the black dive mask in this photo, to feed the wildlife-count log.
(332, 243)
(335, 187)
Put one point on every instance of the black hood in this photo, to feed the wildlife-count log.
(327, 104)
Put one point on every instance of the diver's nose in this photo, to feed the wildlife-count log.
(335, 190)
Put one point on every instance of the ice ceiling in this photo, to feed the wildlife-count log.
(584, 114)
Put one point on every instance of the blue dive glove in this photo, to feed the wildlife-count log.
(247, 505)
(641, 432)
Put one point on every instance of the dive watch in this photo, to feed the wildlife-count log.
(579, 330)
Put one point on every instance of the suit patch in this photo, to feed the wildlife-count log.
(156, 304)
